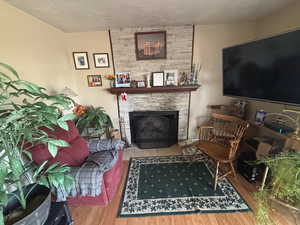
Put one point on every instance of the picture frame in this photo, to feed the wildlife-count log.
(151, 45)
(141, 84)
(158, 79)
(122, 79)
(101, 60)
(94, 80)
(171, 77)
(81, 60)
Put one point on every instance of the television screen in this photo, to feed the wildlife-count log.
(267, 69)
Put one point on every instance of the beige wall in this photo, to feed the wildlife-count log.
(43, 54)
(93, 42)
(287, 19)
(284, 20)
(35, 49)
(208, 44)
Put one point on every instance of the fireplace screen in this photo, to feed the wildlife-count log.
(154, 129)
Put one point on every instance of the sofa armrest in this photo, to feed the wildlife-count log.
(105, 145)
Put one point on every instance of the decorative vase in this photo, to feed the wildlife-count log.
(112, 83)
(148, 81)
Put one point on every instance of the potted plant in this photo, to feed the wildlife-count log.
(111, 78)
(24, 109)
(91, 118)
(283, 190)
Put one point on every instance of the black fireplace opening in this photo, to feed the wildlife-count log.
(154, 129)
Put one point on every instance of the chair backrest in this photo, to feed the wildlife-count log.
(229, 128)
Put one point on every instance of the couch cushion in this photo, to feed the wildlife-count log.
(40, 153)
(74, 155)
(62, 134)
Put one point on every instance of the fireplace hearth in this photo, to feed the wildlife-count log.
(154, 129)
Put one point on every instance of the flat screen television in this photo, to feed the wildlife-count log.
(267, 69)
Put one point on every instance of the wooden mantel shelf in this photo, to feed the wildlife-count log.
(119, 91)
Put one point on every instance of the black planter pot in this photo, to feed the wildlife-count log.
(39, 215)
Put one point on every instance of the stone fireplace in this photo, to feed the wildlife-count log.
(154, 129)
(179, 57)
(159, 102)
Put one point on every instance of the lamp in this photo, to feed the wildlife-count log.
(69, 92)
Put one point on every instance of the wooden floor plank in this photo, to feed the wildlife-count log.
(95, 215)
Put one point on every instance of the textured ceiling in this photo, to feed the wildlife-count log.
(91, 15)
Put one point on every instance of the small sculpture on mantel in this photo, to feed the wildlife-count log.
(183, 79)
(191, 78)
(147, 78)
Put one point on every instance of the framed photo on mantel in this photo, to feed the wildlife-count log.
(122, 79)
(157, 79)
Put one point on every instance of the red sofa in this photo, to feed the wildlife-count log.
(74, 155)
(111, 179)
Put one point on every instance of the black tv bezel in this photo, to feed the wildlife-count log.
(249, 98)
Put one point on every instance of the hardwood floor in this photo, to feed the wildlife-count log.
(94, 215)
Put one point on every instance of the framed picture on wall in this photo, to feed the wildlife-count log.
(151, 45)
(157, 79)
(101, 60)
(94, 80)
(81, 60)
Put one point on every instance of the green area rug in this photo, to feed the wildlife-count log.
(175, 185)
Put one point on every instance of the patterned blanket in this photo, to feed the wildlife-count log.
(88, 178)
(105, 145)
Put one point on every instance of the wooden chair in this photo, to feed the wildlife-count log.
(220, 141)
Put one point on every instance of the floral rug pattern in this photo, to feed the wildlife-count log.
(176, 185)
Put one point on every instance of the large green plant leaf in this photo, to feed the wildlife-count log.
(3, 197)
(16, 167)
(39, 169)
(67, 117)
(58, 143)
(9, 68)
(4, 77)
(43, 181)
(32, 88)
(3, 173)
(54, 144)
(63, 124)
(52, 149)
(62, 121)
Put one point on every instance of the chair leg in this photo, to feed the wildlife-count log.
(233, 170)
(216, 176)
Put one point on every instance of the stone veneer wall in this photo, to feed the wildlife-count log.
(179, 50)
(156, 102)
(179, 56)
